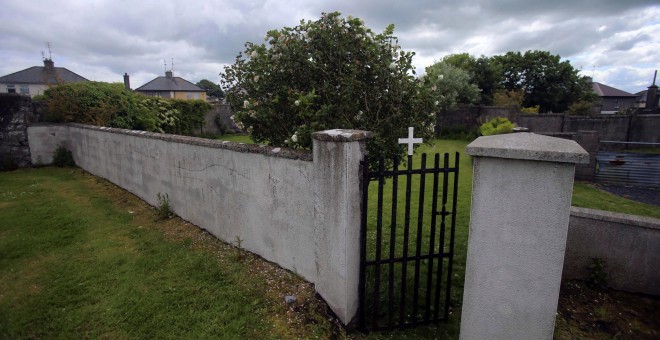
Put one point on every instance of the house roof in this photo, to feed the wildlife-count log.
(42, 75)
(641, 95)
(169, 83)
(603, 90)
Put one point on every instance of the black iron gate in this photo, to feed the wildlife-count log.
(405, 279)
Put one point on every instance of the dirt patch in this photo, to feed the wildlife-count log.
(601, 313)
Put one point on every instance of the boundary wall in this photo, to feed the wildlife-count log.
(297, 209)
(628, 244)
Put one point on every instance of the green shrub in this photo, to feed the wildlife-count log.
(63, 157)
(496, 126)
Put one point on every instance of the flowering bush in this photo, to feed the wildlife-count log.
(449, 85)
(326, 74)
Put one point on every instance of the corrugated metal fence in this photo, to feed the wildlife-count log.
(628, 168)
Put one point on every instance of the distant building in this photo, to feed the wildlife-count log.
(37, 79)
(170, 87)
(613, 100)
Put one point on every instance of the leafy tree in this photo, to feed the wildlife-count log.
(547, 81)
(212, 89)
(449, 85)
(324, 74)
(484, 73)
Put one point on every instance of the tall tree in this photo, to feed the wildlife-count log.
(546, 81)
(212, 89)
(330, 73)
(484, 73)
(449, 85)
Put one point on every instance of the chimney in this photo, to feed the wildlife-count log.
(127, 82)
(49, 64)
(652, 94)
(168, 74)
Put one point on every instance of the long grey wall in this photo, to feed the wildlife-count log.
(301, 214)
(629, 246)
(631, 128)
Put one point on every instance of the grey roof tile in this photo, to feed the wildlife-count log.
(169, 84)
(40, 75)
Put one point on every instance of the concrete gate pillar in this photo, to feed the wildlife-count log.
(521, 199)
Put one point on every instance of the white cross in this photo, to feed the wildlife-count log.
(410, 140)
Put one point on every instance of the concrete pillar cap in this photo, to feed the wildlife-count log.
(529, 146)
(341, 135)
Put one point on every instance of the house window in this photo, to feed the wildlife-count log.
(188, 95)
(196, 95)
(25, 89)
(616, 103)
(11, 88)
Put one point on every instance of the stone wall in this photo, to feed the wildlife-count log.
(222, 113)
(629, 246)
(297, 209)
(15, 110)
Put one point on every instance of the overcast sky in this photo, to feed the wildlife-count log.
(616, 41)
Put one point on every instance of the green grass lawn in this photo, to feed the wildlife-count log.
(80, 257)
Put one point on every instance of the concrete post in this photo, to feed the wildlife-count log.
(337, 200)
(590, 142)
(521, 199)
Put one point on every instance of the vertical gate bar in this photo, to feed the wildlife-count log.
(404, 262)
(434, 212)
(379, 239)
(451, 236)
(363, 242)
(418, 244)
(390, 293)
(443, 214)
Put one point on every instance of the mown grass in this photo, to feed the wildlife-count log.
(80, 257)
(585, 195)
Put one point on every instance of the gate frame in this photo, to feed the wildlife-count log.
(417, 257)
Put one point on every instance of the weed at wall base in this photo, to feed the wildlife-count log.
(164, 210)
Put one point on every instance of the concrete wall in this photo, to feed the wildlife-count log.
(631, 128)
(645, 128)
(301, 214)
(629, 245)
(521, 196)
(15, 111)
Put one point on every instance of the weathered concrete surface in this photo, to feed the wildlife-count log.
(302, 215)
(337, 156)
(529, 146)
(518, 225)
(629, 245)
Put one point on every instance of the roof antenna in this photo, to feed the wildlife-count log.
(165, 65)
(593, 72)
(50, 54)
(172, 65)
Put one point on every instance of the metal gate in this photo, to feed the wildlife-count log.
(406, 256)
(628, 168)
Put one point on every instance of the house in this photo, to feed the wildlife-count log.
(37, 79)
(170, 87)
(613, 100)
